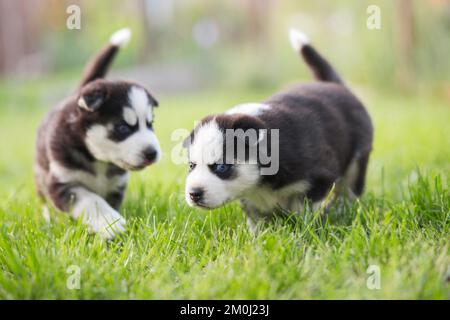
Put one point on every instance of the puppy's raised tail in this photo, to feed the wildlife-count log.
(99, 65)
(323, 71)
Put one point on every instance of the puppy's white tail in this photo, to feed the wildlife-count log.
(323, 71)
(298, 39)
(120, 38)
(99, 65)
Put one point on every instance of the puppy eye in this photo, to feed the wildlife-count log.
(122, 129)
(150, 125)
(221, 167)
(191, 166)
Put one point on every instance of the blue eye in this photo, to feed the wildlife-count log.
(122, 129)
(222, 168)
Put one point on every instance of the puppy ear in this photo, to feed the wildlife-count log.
(152, 100)
(246, 122)
(190, 138)
(243, 121)
(243, 134)
(92, 97)
(187, 141)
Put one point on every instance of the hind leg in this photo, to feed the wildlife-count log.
(358, 182)
(351, 185)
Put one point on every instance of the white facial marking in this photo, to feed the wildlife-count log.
(207, 149)
(218, 191)
(130, 116)
(126, 154)
(251, 109)
(129, 153)
(139, 102)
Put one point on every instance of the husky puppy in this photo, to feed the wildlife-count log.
(321, 135)
(87, 144)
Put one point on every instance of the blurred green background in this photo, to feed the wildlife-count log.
(199, 57)
(191, 44)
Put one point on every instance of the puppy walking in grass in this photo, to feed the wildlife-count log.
(88, 142)
(324, 136)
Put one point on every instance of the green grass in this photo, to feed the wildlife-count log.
(170, 251)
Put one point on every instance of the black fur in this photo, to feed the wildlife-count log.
(323, 127)
(321, 68)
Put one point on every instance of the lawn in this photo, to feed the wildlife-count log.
(170, 251)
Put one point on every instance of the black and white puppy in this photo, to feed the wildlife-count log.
(321, 134)
(88, 142)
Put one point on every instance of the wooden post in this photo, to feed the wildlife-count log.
(405, 43)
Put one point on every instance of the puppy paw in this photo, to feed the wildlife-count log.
(101, 218)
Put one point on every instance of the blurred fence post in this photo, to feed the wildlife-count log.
(18, 36)
(405, 41)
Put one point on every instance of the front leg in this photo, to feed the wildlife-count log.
(95, 212)
(253, 215)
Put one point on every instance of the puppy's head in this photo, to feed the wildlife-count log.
(222, 162)
(117, 122)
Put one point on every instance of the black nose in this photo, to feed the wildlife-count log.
(196, 194)
(150, 154)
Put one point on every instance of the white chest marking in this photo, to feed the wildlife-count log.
(99, 183)
(265, 199)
